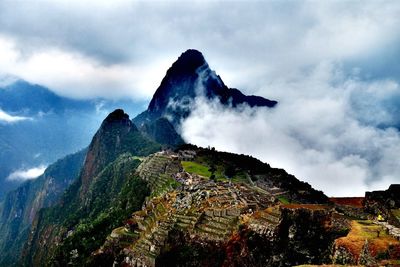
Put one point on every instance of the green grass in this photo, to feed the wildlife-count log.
(138, 158)
(203, 170)
(283, 199)
(219, 174)
(196, 168)
(365, 222)
(162, 188)
(368, 229)
(240, 177)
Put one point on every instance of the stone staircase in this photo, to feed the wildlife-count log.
(270, 216)
(215, 227)
(266, 221)
(153, 231)
(186, 221)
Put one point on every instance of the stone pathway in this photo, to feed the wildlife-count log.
(392, 230)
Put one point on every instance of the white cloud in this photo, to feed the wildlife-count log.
(302, 53)
(116, 48)
(27, 174)
(7, 118)
(314, 133)
(74, 75)
(6, 80)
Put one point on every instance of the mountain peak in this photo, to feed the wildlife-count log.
(188, 62)
(118, 116)
(117, 135)
(179, 82)
(190, 77)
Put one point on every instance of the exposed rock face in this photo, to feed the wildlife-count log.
(389, 198)
(163, 132)
(190, 77)
(385, 203)
(117, 135)
(350, 206)
(106, 144)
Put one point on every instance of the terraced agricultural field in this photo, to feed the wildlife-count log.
(381, 246)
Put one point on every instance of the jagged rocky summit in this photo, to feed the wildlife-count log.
(190, 77)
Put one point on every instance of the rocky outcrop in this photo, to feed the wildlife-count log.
(117, 135)
(190, 77)
(163, 132)
(350, 206)
(384, 203)
(108, 164)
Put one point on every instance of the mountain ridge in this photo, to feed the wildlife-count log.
(189, 77)
(111, 156)
(54, 126)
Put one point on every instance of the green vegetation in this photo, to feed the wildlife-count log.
(379, 241)
(171, 183)
(105, 194)
(367, 229)
(283, 199)
(138, 158)
(365, 222)
(113, 196)
(240, 177)
(29, 198)
(219, 171)
(90, 233)
(196, 168)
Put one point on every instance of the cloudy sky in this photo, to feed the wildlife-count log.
(332, 65)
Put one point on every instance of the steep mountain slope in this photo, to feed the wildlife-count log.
(233, 210)
(29, 99)
(190, 77)
(21, 205)
(215, 208)
(163, 132)
(385, 203)
(54, 127)
(96, 201)
(220, 183)
(117, 135)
